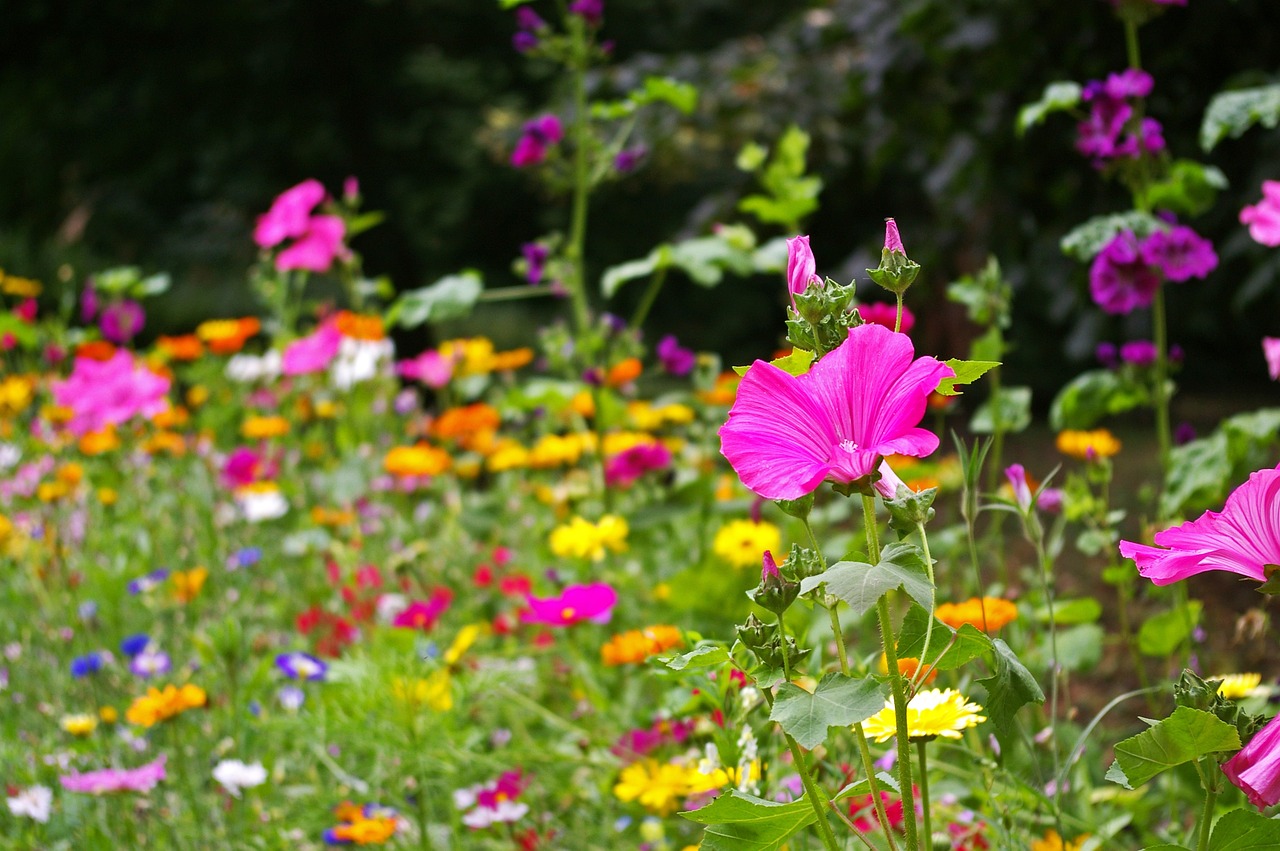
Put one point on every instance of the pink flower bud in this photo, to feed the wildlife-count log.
(770, 568)
(892, 241)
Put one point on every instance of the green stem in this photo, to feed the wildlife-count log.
(646, 300)
(933, 605)
(1159, 396)
(897, 685)
(897, 319)
(1131, 44)
(1206, 817)
(811, 791)
(581, 190)
(924, 791)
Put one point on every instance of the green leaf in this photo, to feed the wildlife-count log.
(1092, 395)
(1161, 634)
(861, 585)
(1008, 411)
(451, 297)
(22, 332)
(1190, 188)
(948, 648)
(1009, 689)
(703, 656)
(966, 372)
(1086, 240)
(615, 276)
(796, 363)
(884, 782)
(1056, 98)
(1068, 612)
(740, 822)
(683, 96)
(1166, 847)
(838, 701)
(1232, 113)
(1245, 830)
(1080, 647)
(1198, 472)
(1184, 736)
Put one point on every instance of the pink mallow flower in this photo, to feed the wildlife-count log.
(623, 469)
(883, 313)
(1271, 351)
(1179, 253)
(1263, 218)
(102, 393)
(290, 214)
(1256, 769)
(1243, 539)
(317, 248)
(787, 434)
(313, 352)
(431, 368)
(592, 602)
(141, 779)
(801, 267)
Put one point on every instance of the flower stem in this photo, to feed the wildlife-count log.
(650, 294)
(897, 319)
(817, 800)
(924, 791)
(918, 676)
(581, 188)
(1206, 817)
(1131, 44)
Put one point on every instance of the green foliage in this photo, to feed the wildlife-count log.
(1057, 97)
(1232, 113)
(789, 196)
(1086, 240)
(838, 701)
(862, 585)
(1163, 633)
(966, 372)
(1008, 689)
(1203, 470)
(740, 822)
(451, 297)
(1245, 830)
(682, 96)
(948, 648)
(795, 363)
(1189, 189)
(1008, 410)
(704, 259)
(705, 655)
(1186, 735)
(1095, 394)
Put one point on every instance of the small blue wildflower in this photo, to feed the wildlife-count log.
(150, 581)
(83, 666)
(301, 666)
(134, 644)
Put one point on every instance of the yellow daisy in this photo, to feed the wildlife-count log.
(935, 712)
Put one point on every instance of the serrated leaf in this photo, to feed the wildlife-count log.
(966, 372)
(704, 656)
(796, 363)
(1009, 689)
(838, 701)
(1057, 97)
(1184, 736)
(740, 822)
(1011, 406)
(1086, 240)
(1232, 113)
(1245, 830)
(861, 585)
(948, 648)
(1163, 633)
(451, 297)
(1198, 472)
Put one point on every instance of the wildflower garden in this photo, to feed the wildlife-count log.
(338, 566)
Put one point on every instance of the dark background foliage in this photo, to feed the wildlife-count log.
(153, 133)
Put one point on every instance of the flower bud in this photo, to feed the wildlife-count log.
(895, 272)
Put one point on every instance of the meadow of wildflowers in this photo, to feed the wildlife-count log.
(285, 582)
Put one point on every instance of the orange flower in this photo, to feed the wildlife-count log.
(724, 391)
(156, 705)
(636, 645)
(228, 336)
(1088, 445)
(187, 583)
(99, 442)
(70, 474)
(624, 372)
(988, 614)
(184, 348)
(96, 350)
(331, 516)
(171, 417)
(468, 424)
(360, 326)
(514, 359)
(419, 460)
(908, 666)
(257, 428)
(582, 404)
(169, 442)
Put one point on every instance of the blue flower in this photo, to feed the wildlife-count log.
(134, 644)
(301, 666)
(152, 580)
(83, 666)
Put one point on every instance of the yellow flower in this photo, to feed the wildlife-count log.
(1053, 842)
(581, 538)
(157, 705)
(1088, 445)
(108, 496)
(19, 287)
(109, 715)
(187, 583)
(257, 428)
(934, 712)
(435, 692)
(1236, 686)
(462, 642)
(80, 724)
(16, 394)
(742, 543)
(658, 788)
(988, 614)
(507, 455)
(419, 460)
(554, 450)
(636, 645)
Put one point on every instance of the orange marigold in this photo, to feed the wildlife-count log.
(466, 421)
(419, 460)
(228, 336)
(99, 442)
(636, 645)
(257, 428)
(624, 372)
(183, 348)
(514, 359)
(988, 614)
(96, 350)
(360, 326)
(160, 705)
(1088, 445)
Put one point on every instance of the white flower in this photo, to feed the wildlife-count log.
(359, 360)
(10, 455)
(235, 775)
(247, 368)
(35, 802)
(260, 502)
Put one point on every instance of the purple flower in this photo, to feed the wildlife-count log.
(801, 267)
(89, 303)
(1262, 218)
(1140, 353)
(1183, 434)
(536, 255)
(592, 602)
(1129, 83)
(1119, 279)
(623, 469)
(1179, 253)
(141, 779)
(787, 434)
(83, 666)
(675, 359)
(1256, 769)
(527, 19)
(301, 666)
(151, 662)
(291, 698)
(524, 42)
(1243, 539)
(1106, 355)
(1271, 351)
(591, 11)
(538, 135)
(152, 580)
(121, 321)
(628, 158)
(1102, 136)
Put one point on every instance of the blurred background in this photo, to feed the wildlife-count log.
(153, 133)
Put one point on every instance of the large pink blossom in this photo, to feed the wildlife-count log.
(317, 240)
(1243, 539)
(290, 214)
(317, 248)
(1263, 218)
(313, 352)
(1256, 769)
(141, 779)
(110, 392)
(592, 602)
(786, 434)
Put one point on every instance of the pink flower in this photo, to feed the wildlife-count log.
(141, 779)
(244, 466)
(1243, 539)
(313, 352)
(317, 247)
(431, 368)
(801, 267)
(423, 614)
(786, 434)
(290, 214)
(892, 240)
(1179, 253)
(1271, 351)
(1017, 476)
(883, 313)
(121, 321)
(623, 469)
(592, 602)
(1263, 218)
(102, 393)
(1256, 769)
(1119, 278)
(538, 136)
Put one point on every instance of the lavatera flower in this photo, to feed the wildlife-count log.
(787, 434)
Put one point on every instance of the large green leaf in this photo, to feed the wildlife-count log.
(966, 372)
(451, 297)
(1009, 689)
(1056, 98)
(1188, 189)
(1162, 633)
(1086, 240)
(1007, 411)
(1232, 113)
(1184, 736)
(1198, 472)
(861, 585)
(838, 701)
(1092, 395)
(796, 363)
(948, 648)
(702, 656)
(740, 822)
(1245, 830)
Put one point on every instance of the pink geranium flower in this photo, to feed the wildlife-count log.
(1120, 280)
(786, 434)
(592, 602)
(141, 779)
(290, 214)
(1271, 351)
(317, 248)
(1256, 769)
(313, 352)
(1243, 539)
(1263, 218)
(110, 392)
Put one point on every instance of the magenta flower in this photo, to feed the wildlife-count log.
(1243, 539)
(1179, 253)
(317, 239)
(313, 352)
(1256, 769)
(622, 470)
(110, 392)
(536, 255)
(591, 11)
(801, 267)
(290, 214)
(538, 136)
(592, 602)
(1271, 351)
(675, 358)
(1102, 136)
(1140, 353)
(883, 313)
(141, 779)
(431, 368)
(318, 247)
(1017, 476)
(121, 321)
(892, 239)
(245, 465)
(786, 434)
(1119, 279)
(423, 614)
(1263, 218)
